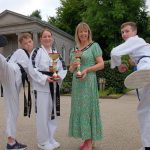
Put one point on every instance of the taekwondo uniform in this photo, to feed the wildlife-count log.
(139, 52)
(11, 80)
(47, 94)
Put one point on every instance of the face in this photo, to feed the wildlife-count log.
(46, 39)
(27, 44)
(83, 34)
(127, 32)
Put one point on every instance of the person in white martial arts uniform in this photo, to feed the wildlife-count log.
(139, 52)
(46, 90)
(11, 80)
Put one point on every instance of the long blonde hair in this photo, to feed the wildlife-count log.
(80, 26)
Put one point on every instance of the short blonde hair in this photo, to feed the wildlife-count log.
(132, 24)
(80, 26)
(24, 35)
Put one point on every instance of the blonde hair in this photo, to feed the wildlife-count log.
(131, 24)
(24, 36)
(80, 26)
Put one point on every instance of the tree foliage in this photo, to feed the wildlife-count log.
(104, 18)
(68, 15)
(36, 14)
(109, 15)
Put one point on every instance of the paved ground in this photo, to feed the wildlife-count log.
(120, 125)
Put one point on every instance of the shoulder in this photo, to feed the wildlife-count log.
(95, 44)
(136, 38)
(19, 52)
(36, 50)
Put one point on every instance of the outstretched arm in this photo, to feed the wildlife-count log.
(126, 48)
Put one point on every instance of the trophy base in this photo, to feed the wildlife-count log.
(55, 77)
(78, 76)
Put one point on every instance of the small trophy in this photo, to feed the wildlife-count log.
(53, 68)
(78, 54)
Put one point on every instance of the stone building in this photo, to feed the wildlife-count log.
(12, 24)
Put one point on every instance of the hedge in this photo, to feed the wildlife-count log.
(114, 80)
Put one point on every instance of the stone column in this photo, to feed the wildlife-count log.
(18, 34)
(35, 38)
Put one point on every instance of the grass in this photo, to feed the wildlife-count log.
(106, 94)
(111, 94)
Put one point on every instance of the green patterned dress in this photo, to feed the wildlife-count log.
(85, 121)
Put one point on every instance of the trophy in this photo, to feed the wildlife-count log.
(53, 68)
(78, 54)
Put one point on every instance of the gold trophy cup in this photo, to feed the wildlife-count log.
(53, 68)
(78, 54)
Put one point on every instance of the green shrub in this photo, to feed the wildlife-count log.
(67, 83)
(114, 79)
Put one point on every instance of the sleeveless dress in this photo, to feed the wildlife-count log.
(85, 121)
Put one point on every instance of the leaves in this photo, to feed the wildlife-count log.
(36, 14)
(104, 18)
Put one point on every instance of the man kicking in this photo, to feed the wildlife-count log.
(11, 76)
(139, 52)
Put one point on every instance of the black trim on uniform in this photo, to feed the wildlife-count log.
(34, 55)
(57, 102)
(2, 91)
(51, 85)
(27, 102)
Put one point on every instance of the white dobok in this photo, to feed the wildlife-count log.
(10, 78)
(139, 52)
(45, 125)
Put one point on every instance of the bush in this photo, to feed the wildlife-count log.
(114, 79)
(67, 83)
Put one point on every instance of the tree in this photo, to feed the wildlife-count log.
(104, 17)
(36, 14)
(68, 15)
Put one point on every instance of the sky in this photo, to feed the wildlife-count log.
(26, 7)
(148, 5)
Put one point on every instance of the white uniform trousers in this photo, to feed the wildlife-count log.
(11, 95)
(144, 106)
(45, 126)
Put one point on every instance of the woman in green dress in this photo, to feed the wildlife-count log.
(85, 122)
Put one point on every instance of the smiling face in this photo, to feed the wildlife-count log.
(127, 32)
(46, 39)
(83, 34)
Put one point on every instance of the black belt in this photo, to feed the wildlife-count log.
(1, 91)
(57, 102)
(27, 102)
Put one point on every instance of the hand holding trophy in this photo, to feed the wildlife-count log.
(53, 68)
(78, 54)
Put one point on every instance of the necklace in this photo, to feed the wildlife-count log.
(85, 48)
